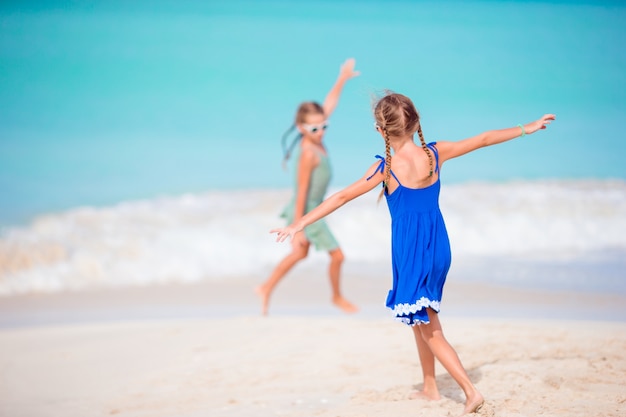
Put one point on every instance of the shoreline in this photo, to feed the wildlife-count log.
(305, 294)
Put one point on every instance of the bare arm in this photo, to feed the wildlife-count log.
(332, 203)
(306, 165)
(449, 150)
(346, 71)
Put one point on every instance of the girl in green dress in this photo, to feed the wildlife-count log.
(312, 176)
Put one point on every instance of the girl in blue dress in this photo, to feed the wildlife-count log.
(420, 246)
(312, 174)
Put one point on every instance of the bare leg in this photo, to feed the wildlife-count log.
(334, 272)
(298, 253)
(445, 353)
(427, 360)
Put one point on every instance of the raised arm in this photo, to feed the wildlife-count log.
(371, 179)
(449, 150)
(346, 71)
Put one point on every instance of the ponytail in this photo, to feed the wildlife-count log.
(288, 149)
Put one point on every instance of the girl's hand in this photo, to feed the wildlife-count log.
(539, 124)
(285, 232)
(346, 71)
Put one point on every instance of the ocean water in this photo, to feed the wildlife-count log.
(140, 141)
(546, 234)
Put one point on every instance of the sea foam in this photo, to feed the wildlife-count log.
(225, 234)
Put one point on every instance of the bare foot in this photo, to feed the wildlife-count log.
(423, 395)
(344, 304)
(473, 404)
(265, 298)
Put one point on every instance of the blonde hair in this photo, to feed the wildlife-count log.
(396, 116)
(306, 108)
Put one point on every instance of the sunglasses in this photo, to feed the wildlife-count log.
(376, 126)
(315, 128)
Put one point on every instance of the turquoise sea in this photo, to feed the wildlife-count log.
(109, 101)
(119, 119)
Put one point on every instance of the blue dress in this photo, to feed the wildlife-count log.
(420, 249)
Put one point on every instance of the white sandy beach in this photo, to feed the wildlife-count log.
(203, 350)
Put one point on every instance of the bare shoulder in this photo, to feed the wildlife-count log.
(442, 145)
(445, 149)
(309, 155)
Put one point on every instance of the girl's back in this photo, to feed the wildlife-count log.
(411, 166)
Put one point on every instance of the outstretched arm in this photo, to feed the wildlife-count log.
(346, 71)
(333, 202)
(449, 150)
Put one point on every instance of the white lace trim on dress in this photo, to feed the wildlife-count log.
(404, 309)
(408, 321)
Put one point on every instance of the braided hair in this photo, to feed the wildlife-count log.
(396, 115)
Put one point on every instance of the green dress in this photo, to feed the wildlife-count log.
(317, 233)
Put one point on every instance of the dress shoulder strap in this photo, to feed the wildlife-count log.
(381, 168)
(432, 147)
